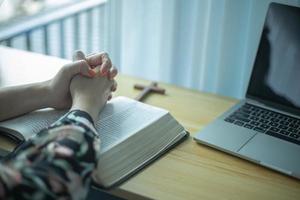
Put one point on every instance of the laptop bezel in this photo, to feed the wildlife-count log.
(264, 102)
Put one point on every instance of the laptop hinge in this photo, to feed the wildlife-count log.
(263, 105)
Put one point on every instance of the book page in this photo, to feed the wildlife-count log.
(30, 124)
(124, 117)
(120, 118)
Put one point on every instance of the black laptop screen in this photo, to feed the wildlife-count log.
(276, 74)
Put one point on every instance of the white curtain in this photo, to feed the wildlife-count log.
(208, 45)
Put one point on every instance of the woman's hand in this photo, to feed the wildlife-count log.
(55, 93)
(91, 94)
(100, 64)
(92, 66)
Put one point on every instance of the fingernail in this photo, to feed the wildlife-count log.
(114, 74)
(102, 74)
(104, 70)
(91, 73)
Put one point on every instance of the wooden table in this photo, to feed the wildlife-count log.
(190, 171)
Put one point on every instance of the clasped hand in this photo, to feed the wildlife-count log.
(85, 84)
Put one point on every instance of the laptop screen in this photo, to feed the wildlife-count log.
(275, 79)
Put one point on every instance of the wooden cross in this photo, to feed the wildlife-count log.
(148, 89)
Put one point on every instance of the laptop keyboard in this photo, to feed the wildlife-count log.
(267, 121)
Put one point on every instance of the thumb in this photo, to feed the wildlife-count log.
(85, 69)
(78, 55)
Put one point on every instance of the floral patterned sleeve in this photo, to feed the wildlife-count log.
(55, 164)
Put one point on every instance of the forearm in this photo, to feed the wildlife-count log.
(55, 164)
(18, 100)
(85, 104)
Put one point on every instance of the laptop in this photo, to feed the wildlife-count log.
(265, 126)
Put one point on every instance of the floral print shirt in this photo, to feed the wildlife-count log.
(55, 164)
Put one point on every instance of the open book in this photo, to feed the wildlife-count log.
(132, 135)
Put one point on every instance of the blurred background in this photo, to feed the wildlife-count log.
(207, 45)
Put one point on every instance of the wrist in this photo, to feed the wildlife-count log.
(44, 92)
(49, 94)
(85, 104)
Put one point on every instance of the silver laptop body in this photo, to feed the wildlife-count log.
(265, 127)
